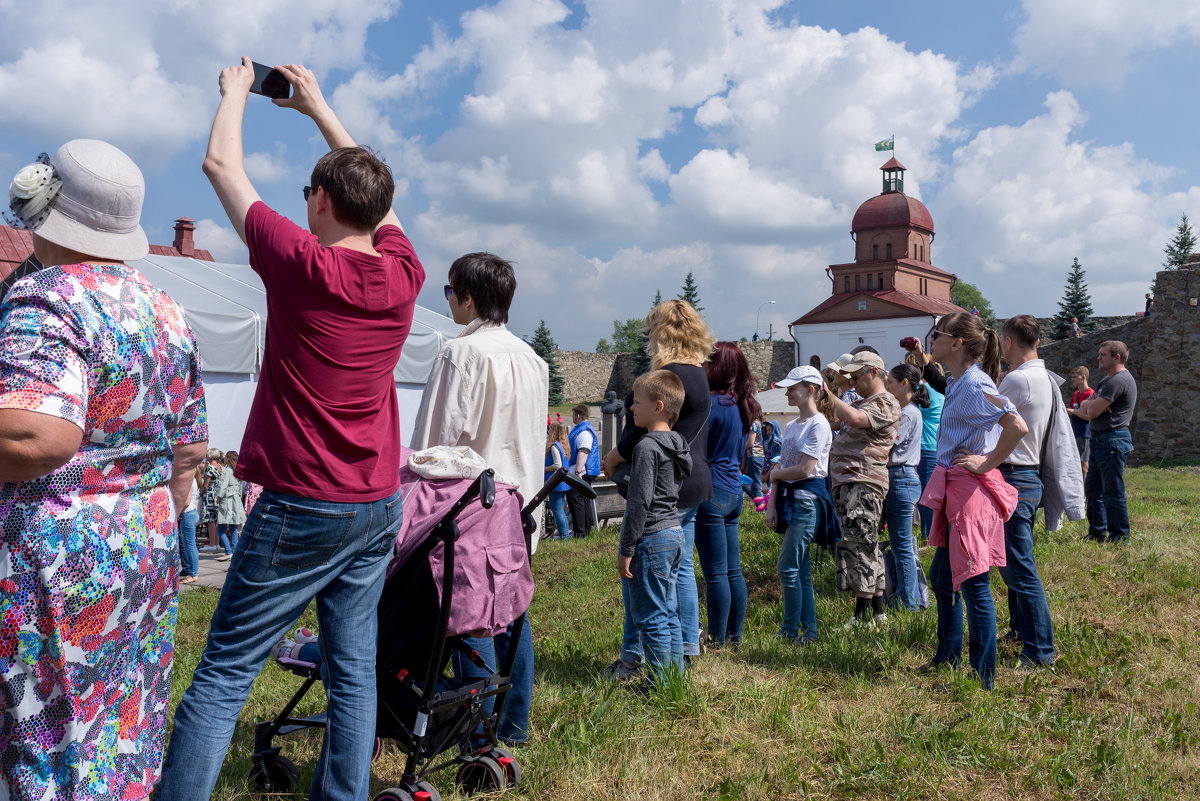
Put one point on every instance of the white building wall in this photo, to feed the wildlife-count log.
(830, 340)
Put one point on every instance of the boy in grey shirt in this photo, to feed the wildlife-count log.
(651, 538)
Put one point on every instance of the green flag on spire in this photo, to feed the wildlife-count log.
(887, 144)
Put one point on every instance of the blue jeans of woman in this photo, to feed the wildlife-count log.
(755, 465)
(189, 557)
(795, 570)
(229, 536)
(904, 489)
(513, 726)
(689, 599)
(925, 472)
(975, 596)
(721, 562)
(558, 507)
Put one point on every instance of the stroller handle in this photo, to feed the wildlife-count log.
(483, 487)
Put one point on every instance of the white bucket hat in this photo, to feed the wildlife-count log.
(97, 209)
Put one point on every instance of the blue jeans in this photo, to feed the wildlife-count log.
(795, 570)
(514, 718)
(904, 490)
(721, 563)
(689, 599)
(292, 550)
(976, 597)
(189, 557)
(925, 472)
(755, 466)
(1104, 486)
(558, 506)
(1027, 603)
(654, 599)
(229, 536)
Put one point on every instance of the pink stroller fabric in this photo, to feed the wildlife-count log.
(492, 580)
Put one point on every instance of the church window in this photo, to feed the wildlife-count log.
(881, 284)
(889, 250)
(858, 282)
(862, 305)
(870, 281)
(875, 252)
(847, 283)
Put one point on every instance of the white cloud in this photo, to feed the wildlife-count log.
(221, 241)
(268, 167)
(1093, 41)
(1022, 201)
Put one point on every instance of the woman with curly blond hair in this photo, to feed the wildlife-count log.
(679, 341)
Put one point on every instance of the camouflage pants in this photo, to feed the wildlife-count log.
(859, 560)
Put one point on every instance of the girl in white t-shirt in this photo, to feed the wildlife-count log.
(802, 469)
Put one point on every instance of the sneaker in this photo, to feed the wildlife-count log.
(879, 620)
(225, 557)
(303, 636)
(855, 622)
(284, 649)
(620, 671)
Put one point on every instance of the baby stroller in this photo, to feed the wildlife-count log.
(460, 568)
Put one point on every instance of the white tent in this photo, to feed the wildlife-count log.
(226, 307)
(775, 406)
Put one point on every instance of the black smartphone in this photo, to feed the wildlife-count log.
(269, 82)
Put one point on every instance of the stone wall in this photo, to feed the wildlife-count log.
(588, 376)
(1046, 324)
(1164, 350)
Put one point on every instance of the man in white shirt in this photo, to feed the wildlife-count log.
(1033, 392)
(489, 391)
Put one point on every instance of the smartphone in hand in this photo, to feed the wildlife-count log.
(269, 82)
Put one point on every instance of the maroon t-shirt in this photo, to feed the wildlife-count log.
(324, 423)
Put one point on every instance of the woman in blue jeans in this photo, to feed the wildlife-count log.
(731, 414)
(904, 485)
(556, 456)
(189, 557)
(799, 495)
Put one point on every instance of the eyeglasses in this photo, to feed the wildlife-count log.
(308, 190)
(449, 290)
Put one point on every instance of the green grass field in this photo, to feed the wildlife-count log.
(849, 717)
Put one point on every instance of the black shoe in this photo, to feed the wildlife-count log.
(1025, 664)
(934, 665)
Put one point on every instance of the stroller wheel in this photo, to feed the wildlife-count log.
(377, 750)
(427, 792)
(273, 773)
(394, 794)
(481, 775)
(506, 760)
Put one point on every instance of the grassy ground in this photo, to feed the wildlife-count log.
(849, 717)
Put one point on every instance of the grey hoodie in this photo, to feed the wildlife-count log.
(661, 462)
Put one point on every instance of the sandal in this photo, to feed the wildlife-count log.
(188, 580)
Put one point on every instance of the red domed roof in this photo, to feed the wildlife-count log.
(890, 210)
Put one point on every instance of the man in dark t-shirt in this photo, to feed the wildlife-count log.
(1110, 411)
(323, 439)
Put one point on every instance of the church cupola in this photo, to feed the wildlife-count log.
(893, 176)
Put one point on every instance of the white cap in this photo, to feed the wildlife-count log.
(805, 373)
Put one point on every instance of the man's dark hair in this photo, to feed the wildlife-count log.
(486, 279)
(359, 185)
(1023, 329)
(581, 409)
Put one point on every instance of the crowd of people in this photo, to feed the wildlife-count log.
(104, 459)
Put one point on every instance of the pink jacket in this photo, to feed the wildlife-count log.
(974, 507)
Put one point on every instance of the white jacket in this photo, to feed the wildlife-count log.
(1061, 473)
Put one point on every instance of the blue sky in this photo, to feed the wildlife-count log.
(610, 147)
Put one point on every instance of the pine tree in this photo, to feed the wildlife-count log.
(691, 292)
(1076, 302)
(626, 335)
(543, 345)
(657, 297)
(603, 347)
(641, 357)
(1181, 247)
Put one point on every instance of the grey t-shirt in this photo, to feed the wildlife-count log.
(661, 462)
(907, 450)
(1121, 390)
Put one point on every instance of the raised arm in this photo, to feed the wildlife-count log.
(223, 162)
(309, 101)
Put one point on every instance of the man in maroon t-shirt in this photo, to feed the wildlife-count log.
(323, 439)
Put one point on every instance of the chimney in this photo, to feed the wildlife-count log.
(183, 237)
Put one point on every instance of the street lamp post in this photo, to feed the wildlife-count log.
(758, 316)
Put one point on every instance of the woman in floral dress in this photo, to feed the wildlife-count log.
(102, 423)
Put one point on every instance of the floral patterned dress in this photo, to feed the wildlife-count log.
(88, 562)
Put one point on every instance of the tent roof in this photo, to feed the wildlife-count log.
(226, 307)
(774, 401)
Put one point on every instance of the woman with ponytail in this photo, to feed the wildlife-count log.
(969, 497)
(904, 485)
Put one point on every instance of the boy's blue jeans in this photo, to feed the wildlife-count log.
(292, 549)
(795, 570)
(689, 599)
(654, 600)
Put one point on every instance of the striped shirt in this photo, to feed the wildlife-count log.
(970, 422)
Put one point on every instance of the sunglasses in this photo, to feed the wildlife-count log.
(308, 190)
(448, 290)
(936, 333)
